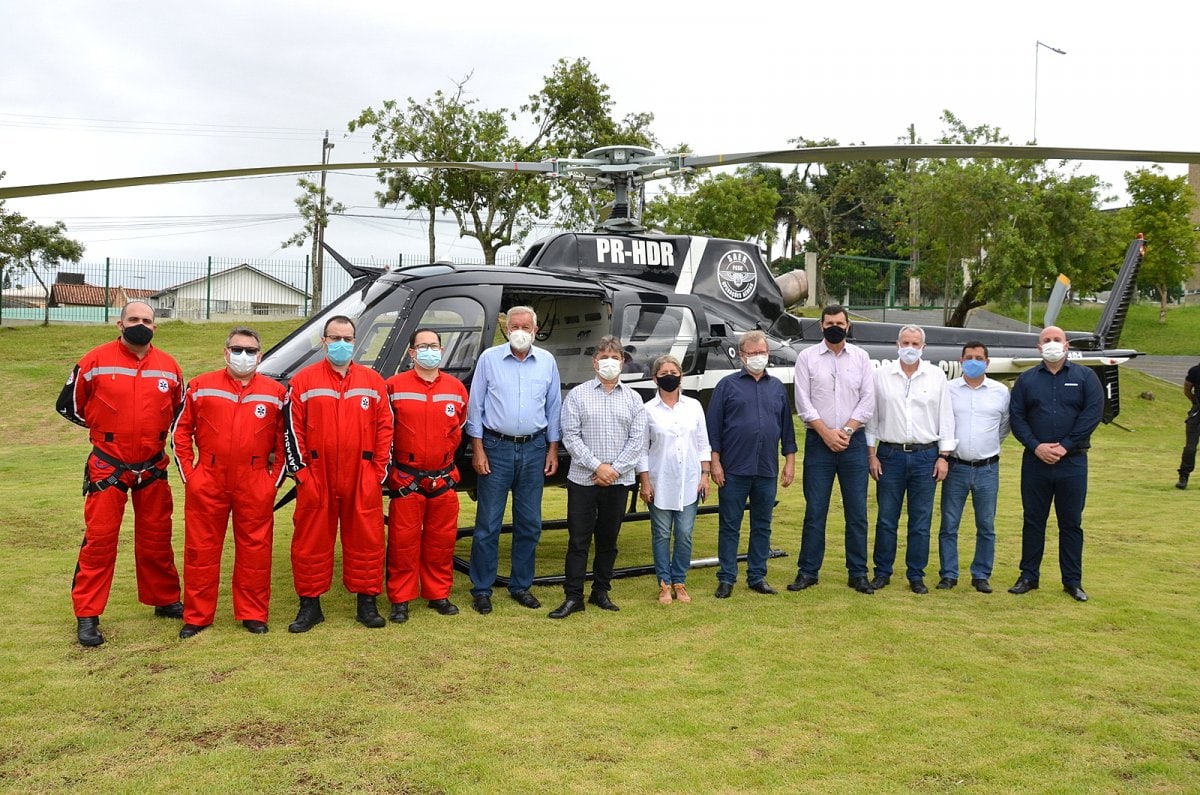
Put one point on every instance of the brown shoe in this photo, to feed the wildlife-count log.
(664, 593)
(681, 593)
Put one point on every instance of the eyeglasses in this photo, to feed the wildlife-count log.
(427, 346)
(755, 353)
(240, 349)
(341, 339)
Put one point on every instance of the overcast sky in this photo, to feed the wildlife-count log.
(95, 90)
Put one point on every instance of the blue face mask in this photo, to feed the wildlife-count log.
(429, 359)
(973, 368)
(339, 352)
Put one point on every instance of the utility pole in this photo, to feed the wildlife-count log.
(1037, 51)
(320, 220)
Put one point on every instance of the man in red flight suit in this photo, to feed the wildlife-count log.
(430, 409)
(126, 393)
(234, 418)
(337, 439)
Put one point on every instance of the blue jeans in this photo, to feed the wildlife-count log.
(983, 484)
(730, 510)
(672, 568)
(1065, 485)
(904, 474)
(518, 468)
(821, 465)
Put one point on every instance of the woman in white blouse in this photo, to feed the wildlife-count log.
(673, 475)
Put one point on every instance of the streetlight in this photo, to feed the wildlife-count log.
(1037, 51)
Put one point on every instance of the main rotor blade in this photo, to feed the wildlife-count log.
(231, 173)
(836, 154)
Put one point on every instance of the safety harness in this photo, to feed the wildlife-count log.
(430, 482)
(145, 470)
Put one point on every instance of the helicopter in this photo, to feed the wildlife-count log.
(688, 296)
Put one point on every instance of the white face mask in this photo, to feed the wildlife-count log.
(756, 364)
(910, 356)
(243, 364)
(1053, 351)
(520, 340)
(608, 369)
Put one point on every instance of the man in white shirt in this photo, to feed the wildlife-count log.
(980, 423)
(913, 425)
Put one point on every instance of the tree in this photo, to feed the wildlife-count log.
(737, 207)
(315, 206)
(41, 246)
(1161, 208)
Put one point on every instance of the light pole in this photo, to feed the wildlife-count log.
(1037, 51)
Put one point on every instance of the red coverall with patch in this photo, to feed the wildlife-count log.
(229, 447)
(127, 404)
(338, 438)
(423, 524)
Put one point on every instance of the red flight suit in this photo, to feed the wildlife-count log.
(337, 439)
(235, 465)
(423, 513)
(127, 404)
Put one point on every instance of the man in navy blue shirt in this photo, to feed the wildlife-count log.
(1054, 409)
(749, 424)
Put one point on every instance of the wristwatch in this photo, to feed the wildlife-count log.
(846, 429)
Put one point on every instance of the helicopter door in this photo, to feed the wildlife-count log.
(458, 319)
(651, 330)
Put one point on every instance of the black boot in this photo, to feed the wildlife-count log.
(368, 613)
(309, 616)
(88, 630)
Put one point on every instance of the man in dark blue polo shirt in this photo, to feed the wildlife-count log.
(1054, 409)
(749, 424)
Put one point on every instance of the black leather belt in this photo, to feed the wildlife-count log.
(909, 448)
(980, 463)
(504, 437)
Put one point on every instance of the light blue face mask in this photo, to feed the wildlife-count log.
(973, 368)
(428, 358)
(339, 352)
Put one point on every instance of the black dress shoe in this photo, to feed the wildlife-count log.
(1182, 484)
(601, 600)
(255, 627)
(525, 599)
(173, 610)
(946, 583)
(444, 607)
(981, 585)
(724, 589)
(802, 581)
(1077, 593)
(762, 586)
(368, 612)
(918, 586)
(1023, 585)
(191, 630)
(399, 613)
(88, 631)
(308, 616)
(861, 585)
(881, 581)
(482, 604)
(567, 608)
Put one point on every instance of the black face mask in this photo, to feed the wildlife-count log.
(668, 383)
(834, 334)
(137, 335)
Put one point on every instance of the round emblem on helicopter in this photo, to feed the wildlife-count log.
(737, 275)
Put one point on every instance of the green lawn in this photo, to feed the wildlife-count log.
(826, 690)
(1179, 336)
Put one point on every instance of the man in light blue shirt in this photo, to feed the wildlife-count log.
(980, 424)
(514, 423)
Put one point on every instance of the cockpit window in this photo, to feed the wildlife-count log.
(652, 330)
(459, 322)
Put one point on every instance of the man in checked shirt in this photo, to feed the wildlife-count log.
(604, 430)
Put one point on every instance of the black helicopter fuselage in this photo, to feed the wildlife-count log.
(690, 297)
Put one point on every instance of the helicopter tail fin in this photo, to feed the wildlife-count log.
(1112, 319)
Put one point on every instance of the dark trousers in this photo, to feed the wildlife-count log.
(592, 511)
(1187, 462)
(1065, 485)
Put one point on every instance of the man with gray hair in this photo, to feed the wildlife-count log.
(513, 421)
(913, 425)
(604, 430)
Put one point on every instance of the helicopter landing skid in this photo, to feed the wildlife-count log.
(625, 571)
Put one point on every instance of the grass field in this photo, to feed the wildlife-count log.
(1179, 336)
(826, 690)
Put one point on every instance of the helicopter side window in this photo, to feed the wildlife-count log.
(651, 330)
(459, 322)
(568, 327)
